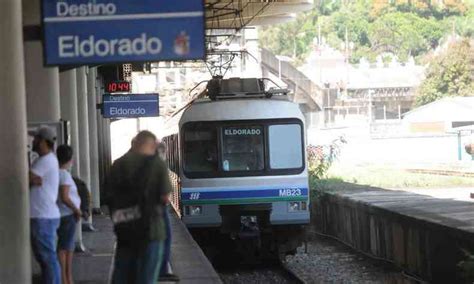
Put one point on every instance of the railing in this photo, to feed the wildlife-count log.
(293, 77)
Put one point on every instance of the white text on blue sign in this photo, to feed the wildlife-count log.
(101, 31)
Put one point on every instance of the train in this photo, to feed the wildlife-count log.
(238, 166)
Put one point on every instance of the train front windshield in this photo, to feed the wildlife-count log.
(230, 149)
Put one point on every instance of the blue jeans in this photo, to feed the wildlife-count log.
(167, 249)
(43, 242)
(138, 265)
(66, 233)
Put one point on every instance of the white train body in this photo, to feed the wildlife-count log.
(241, 158)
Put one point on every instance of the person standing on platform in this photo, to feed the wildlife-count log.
(166, 273)
(44, 212)
(69, 203)
(137, 191)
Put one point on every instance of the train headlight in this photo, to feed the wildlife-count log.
(297, 206)
(294, 206)
(193, 210)
(304, 206)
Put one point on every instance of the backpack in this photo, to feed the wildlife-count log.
(84, 194)
(131, 206)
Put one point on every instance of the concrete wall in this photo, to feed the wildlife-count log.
(426, 249)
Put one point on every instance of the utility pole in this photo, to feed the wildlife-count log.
(369, 110)
(327, 109)
(346, 40)
(319, 32)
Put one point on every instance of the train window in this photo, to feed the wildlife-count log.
(200, 149)
(285, 146)
(242, 148)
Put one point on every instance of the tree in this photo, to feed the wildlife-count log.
(450, 74)
(403, 28)
(464, 25)
(292, 39)
(404, 34)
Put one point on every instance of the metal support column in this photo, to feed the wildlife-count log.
(459, 146)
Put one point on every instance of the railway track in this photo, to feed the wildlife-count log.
(235, 270)
(292, 274)
(278, 273)
(442, 172)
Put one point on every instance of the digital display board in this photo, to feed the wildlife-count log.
(118, 87)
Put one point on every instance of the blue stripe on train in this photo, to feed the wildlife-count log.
(247, 193)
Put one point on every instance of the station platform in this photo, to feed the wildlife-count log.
(95, 265)
(187, 258)
(432, 238)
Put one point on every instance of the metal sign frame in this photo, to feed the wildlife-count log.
(182, 37)
(143, 105)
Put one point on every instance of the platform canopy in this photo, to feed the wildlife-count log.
(237, 14)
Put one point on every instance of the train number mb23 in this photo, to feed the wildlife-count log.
(290, 192)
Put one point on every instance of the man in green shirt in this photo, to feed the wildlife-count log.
(137, 190)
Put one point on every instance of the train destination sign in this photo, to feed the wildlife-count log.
(242, 131)
(81, 32)
(130, 106)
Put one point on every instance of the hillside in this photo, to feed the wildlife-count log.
(371, 28)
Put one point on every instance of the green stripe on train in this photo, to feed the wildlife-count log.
(243, 200)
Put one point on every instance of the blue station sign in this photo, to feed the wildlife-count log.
(130, 105)
(82, 32)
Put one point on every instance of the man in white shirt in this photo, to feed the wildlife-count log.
(44, 212)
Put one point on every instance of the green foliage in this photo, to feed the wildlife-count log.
(449, 74)
(404, 34)
(404, 28)
(320, 186)
(319, 169)
(463, 25)
(390, 177)
(320, 158)
(292, 39)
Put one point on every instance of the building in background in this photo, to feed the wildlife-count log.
(364, 92)
(441, 116)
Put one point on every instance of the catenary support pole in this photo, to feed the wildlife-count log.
(15, 258)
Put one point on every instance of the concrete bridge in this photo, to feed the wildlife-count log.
(305, 91)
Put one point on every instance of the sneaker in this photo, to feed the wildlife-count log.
(169, 277)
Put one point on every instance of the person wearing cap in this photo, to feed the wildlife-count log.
(44, 211)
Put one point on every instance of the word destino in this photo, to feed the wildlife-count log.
(64, 9)
(75, 46)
